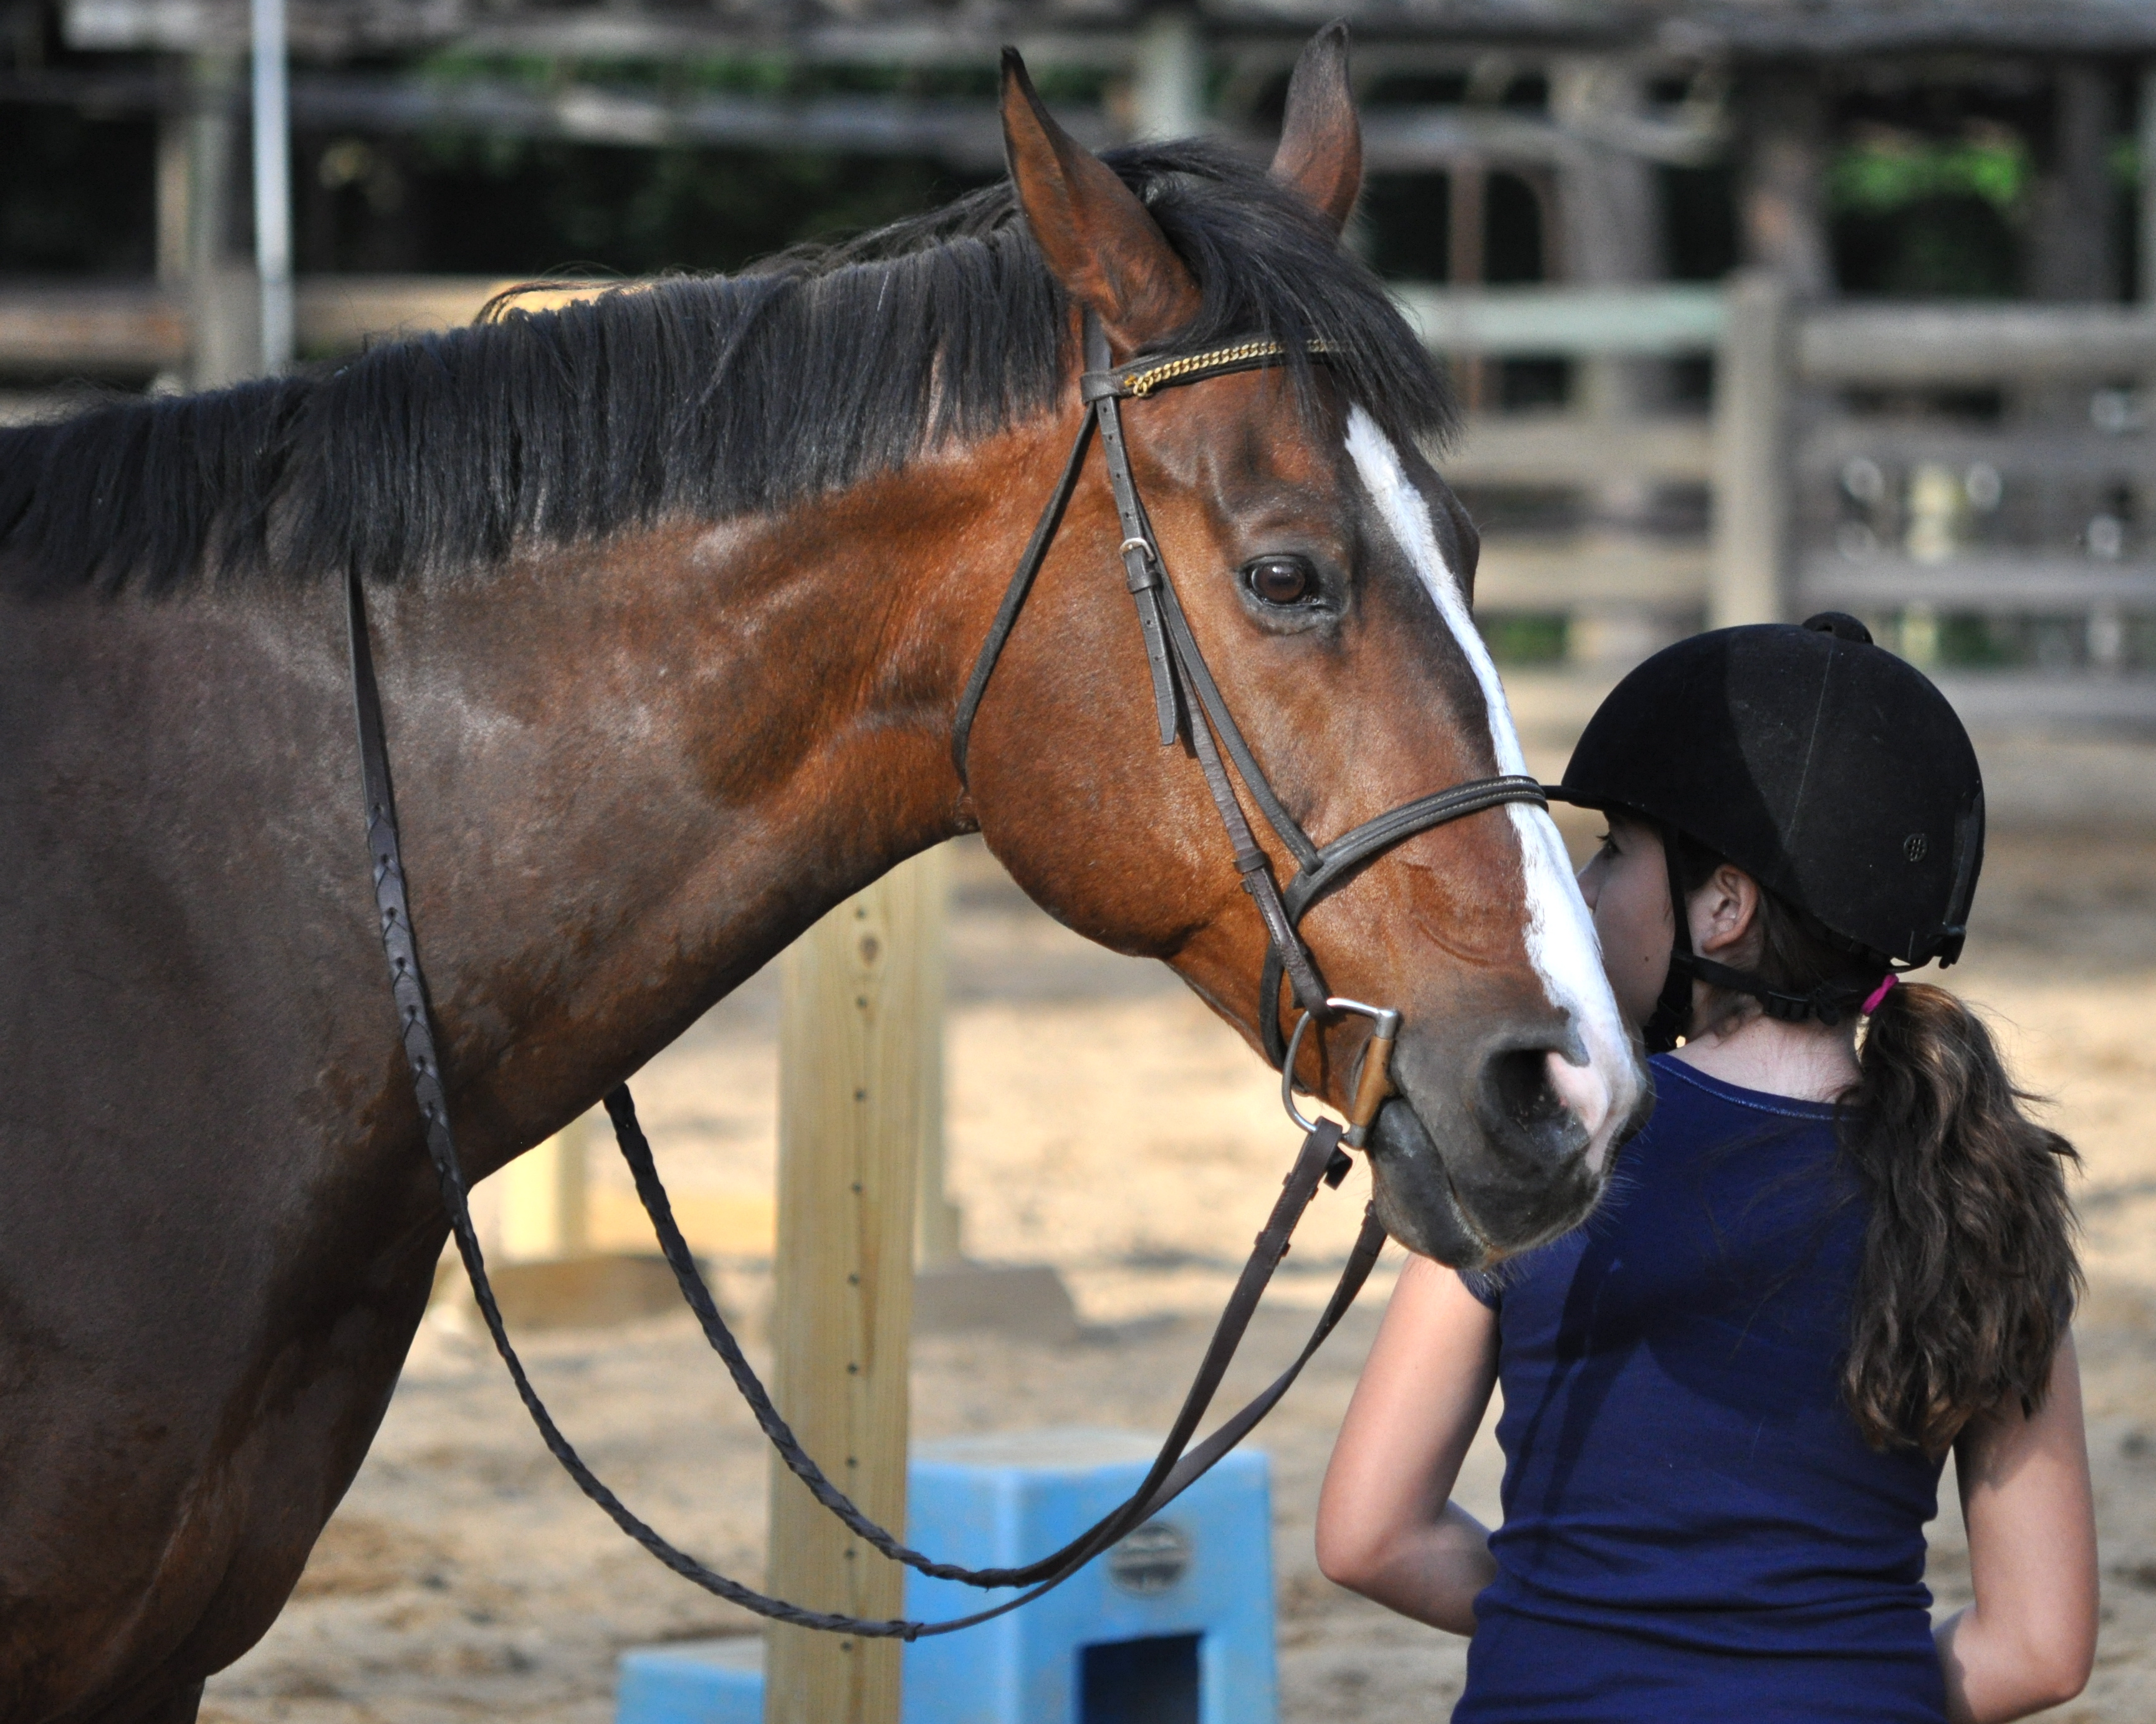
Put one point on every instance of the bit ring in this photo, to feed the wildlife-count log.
(1386, 1024)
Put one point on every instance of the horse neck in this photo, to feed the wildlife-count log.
(630, 775)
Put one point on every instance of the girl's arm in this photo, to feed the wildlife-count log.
(2029, 1639)
(1384, 1526)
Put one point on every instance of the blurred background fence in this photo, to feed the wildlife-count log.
(1755, 309)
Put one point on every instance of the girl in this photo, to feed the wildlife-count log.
(1728, 1397)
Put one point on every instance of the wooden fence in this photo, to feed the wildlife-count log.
(1976, 481)
(1979, 483)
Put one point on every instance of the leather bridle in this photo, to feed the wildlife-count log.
(1183, 689)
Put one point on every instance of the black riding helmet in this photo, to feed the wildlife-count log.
(1831, 771)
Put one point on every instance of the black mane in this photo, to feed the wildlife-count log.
(708, 396)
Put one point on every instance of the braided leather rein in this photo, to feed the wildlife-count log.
(1183, 689)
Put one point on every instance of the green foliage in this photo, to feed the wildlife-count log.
(1524, 637)
(1927, 217)
(1944, 247)
(1890, 171)
(1967, 640)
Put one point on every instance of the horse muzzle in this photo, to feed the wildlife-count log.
(1471, 1173)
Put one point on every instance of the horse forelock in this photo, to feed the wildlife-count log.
(700, 396)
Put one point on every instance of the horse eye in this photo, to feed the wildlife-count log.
(1281, 580)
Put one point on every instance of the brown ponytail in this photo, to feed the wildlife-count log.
(1969, 1276)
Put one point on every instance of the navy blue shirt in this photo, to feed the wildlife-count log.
(1693, 1528)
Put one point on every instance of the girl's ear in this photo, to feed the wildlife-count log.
(1110, 255)
(1321, 147)
(1725, 911)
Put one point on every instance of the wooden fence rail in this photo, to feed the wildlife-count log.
(1934, 345)
(1832, 430)
(64, 329)
(1921, 465)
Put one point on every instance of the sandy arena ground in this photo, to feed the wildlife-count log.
(1130, 1140)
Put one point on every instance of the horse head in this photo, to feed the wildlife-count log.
(1325, 572)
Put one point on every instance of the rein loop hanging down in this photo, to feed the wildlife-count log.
(1185, 699)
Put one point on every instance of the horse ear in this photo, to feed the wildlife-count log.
(1321, 147)
(1098, 241)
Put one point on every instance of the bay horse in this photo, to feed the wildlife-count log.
(674, 592)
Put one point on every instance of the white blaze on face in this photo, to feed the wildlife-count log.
(1560, 934)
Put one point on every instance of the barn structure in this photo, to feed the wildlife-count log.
(1556, 122)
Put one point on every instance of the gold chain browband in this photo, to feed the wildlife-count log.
(1142, 383)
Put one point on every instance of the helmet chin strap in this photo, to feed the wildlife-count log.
(1671, 1019)
(1672, 1012)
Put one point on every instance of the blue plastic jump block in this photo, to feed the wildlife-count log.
(1201, 1570)
(1173, 1626)
(693, 1682)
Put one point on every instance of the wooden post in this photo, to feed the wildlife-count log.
(2146, 141)
(852, 1102)
(225, 342)
(1167, 87)
(545, 1199)
(2070, 251)
(1611, 231)
(938, 1222)
(1466, 221)
(175, 172)
(1782, 197)
(2145, 258)
(1749, 582)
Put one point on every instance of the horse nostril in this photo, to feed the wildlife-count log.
(1539, 1108)
(1517, 1091)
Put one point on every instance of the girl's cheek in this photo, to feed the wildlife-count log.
(1630, 932)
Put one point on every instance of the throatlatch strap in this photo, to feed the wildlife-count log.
(1672, 1010)
(1178, 1465)
(1015, 595)
(1200, 678)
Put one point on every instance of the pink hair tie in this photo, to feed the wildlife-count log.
(1879, 993)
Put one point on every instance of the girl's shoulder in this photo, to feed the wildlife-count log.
(1683, 1089)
